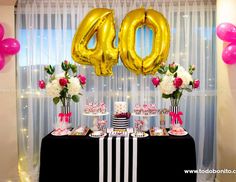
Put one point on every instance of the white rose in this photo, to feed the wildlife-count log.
(53, 88)
(74, 86)
(185, 76)
(167, 87)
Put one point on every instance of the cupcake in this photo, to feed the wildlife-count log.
(87, 109)
(137, 109)
(152, 109)
(102, 107)
(145, 109)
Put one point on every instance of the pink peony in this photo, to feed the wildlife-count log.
(178, 82)
(42, 84)
(155, 81)
(66, 62)
(82, 79)
(196, 83)
(63, 81)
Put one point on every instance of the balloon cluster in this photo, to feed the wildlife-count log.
(104, 56)
(227, 33)
(8, 46)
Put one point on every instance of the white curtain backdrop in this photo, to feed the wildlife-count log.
(45, 29)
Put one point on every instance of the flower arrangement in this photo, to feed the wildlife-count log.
(64, 86)
(174, 80)
(138, 125)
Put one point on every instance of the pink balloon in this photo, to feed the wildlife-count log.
(226, 32)
(2, 61)
(9, 46)
(1, 31)
(229, 54)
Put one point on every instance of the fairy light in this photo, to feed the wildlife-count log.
(122, 79)
(127, 96)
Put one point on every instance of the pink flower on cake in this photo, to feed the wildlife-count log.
(178, 82)
(82, 79)
(42, 84)
(63, 81)
(196, 83)
(155, 81)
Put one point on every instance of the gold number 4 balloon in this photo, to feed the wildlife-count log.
(105, 55)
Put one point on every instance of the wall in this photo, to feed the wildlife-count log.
(8, 122)
(226, 101)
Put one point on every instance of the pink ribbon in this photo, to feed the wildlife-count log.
(66, 116)
(176, 116)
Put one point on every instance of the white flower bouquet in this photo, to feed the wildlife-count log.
(63, 86)
(173, 80)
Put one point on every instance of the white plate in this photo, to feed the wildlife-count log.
(97, 136)
(145, 135)
(54, 133)
(183, 134)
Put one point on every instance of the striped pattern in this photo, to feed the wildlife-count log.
(120, 123)
(118, 159)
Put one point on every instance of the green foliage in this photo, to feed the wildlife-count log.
(73, 68)
(75, 98)
(64, 92)
(56, 100)
(165, 96)
(49, 69)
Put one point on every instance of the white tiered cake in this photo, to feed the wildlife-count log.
(120, 121)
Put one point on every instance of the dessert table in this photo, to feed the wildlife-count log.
(78, 158)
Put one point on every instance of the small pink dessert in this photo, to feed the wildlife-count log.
(152, 109)
(177, 130)
(87, 108)
(95, 108)
(90, 107)
(145, 109)
(102, 107)
(137, 109)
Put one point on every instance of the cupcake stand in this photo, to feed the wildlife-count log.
(145, 118)
(95, 118)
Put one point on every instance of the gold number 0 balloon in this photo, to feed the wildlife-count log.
(161, 40)
(104, 55)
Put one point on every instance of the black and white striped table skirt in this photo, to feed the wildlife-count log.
(118, 159)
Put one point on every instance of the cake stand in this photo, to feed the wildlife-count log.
(95, 118)
(145, 119)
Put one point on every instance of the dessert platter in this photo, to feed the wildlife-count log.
(158, 132)
(139, 134)
(177, 130)
(119, 133)
(97, 134)
(81, 131)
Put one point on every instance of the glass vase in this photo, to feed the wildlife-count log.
(175, 108)
(66, 107)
